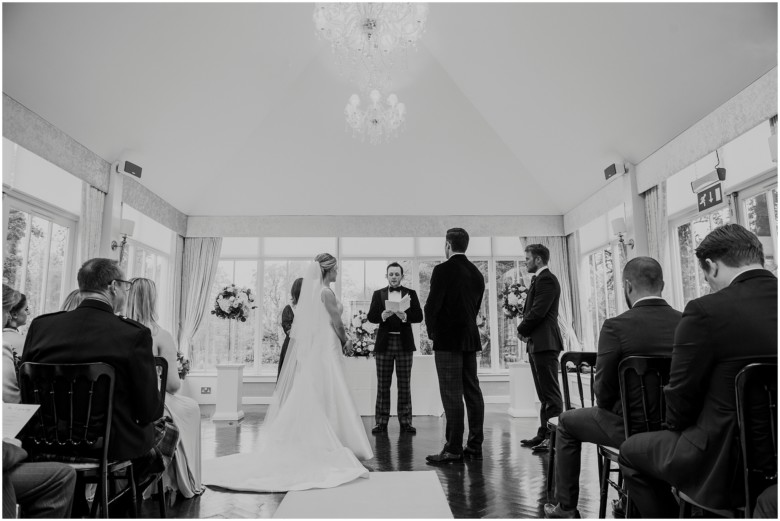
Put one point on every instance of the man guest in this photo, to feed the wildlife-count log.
(646, 329)
(540, 330)
(451, 312)
(394, 345)
(718, 335)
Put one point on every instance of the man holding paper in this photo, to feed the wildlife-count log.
(395, 308)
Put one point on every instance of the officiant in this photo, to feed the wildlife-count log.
(395, 308)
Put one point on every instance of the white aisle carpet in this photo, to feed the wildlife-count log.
(394, 495)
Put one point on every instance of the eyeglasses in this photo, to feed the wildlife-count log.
(126, 284)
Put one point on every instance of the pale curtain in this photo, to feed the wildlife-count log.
(177, 264)
(573, 249)
(90, 221)
(658, 230)
(199, 266)
(559, 265)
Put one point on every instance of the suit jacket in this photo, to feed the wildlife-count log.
(454, 300)
(715, 336)
(540, 315)
(93, 333)
(393, 324)
(644, 330)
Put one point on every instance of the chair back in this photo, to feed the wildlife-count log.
(76, 408)
(580, 363)
(648, 374)
(756, 393)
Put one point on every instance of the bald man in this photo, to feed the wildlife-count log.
(647, 328)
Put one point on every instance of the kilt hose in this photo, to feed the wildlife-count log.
(384, 376)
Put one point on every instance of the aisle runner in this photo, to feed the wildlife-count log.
(394, 495)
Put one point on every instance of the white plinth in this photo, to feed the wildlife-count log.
(360, 374)
(229, 393)
(523, 402)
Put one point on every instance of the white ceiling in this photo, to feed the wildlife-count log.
(513, 109)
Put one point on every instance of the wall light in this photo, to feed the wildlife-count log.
(126, 228)
(619, 229)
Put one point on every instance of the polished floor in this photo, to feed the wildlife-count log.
(508, 483)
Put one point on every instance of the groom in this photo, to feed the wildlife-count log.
(394, 345)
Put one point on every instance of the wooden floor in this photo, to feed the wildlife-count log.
(508, 483)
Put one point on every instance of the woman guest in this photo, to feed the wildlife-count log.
(184, 474)
(13, 342)
(287, 319)
(72, 301)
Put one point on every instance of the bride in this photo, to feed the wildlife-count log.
(312, 436)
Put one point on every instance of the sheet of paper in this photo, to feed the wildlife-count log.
(402, 305)
(16, 416)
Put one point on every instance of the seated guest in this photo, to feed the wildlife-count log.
(184, 474)
(94, 333)
(42, 490)
(288, 315)
(647, 328)
(72, 301)
(698, 455)
(11, 347)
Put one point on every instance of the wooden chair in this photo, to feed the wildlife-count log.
(582, 363)
(156, 478)
(653, 414)
(73, 425)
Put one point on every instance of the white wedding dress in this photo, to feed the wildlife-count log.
(312, 436)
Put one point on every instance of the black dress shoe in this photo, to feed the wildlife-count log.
(379, 427)
(444, 457)
(536, 440)
(542, 447)
(472, 454)
(408, 428)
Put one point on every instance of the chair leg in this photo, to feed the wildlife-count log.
(103, 494)
(551, 470)
(133, 493)
(604, 488)
(685, 509)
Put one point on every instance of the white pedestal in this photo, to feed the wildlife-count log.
(229, 383)
(523, 402)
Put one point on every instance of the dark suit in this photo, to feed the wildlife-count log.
(454, 301)
(398, 336)
(646, 329)
(93, 333)
(700, 454)
(540, 326)
(288, 315)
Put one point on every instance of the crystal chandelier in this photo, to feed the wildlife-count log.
(370, 32)
(380, 121)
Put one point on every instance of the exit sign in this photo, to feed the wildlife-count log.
(710, 197)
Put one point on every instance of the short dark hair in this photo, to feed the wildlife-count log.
(645, 273)
(395, 265)
(733, 245)
(295, 290)
(21, 304)
(96, 274)
(539, 250)
(458, 239)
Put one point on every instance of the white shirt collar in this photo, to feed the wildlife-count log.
(741, 272)
(651, 297)
(456, 253)
(540, 270)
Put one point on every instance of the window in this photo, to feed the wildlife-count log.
(759, 215)
(38, 255)
(602, 294)
(424, 270)
(278, 277)
(146, 262)
(359, 280)
(508, 272)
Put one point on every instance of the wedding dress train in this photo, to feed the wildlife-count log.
(312, 436)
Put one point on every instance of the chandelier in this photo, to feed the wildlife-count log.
(370, 32)
(380, 121)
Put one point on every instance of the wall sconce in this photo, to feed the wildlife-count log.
(126, 227)
(619, 229)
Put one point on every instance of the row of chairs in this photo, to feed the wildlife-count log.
(73, 425)
(756, 398)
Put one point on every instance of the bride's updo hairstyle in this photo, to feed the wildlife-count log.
(327, 262)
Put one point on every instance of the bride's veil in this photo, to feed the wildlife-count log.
(310, 317)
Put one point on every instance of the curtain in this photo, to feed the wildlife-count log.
(559, 265)
(91, 221)
(658, 230)
(177, 273)
(573, 250)
(199, 266)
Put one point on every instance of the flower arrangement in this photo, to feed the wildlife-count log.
(234, 303)
(362, 343)
(182, 365)
(514, 296)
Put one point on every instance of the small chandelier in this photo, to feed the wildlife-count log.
(370, 32)
(380, 121)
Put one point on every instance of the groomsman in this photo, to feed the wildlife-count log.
(394, 345)
(540, 330)
(451, 312)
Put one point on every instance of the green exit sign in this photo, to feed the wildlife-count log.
(710, 197)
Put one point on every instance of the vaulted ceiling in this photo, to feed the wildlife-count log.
(513, 108)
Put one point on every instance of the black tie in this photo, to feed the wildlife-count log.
(533, 281)
(398, 289)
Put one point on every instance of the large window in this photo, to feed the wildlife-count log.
(759, 215)
(603, 269)
(278, 277)
(508, 272)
